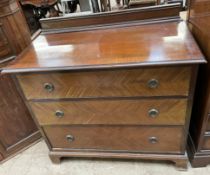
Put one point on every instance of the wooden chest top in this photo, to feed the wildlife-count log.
(141, 45)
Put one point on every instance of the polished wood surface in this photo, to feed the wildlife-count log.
(111, 48)
(199, 20)
(116, 138)
(109, 83)
(111, 112)
(17, 129)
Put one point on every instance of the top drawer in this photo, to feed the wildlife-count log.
(169, 81)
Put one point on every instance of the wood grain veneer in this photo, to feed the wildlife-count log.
(109, 83)
(116, 138)
(111, 112)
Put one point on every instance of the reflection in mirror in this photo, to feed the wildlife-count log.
(135, 16)
(85, 7)
(51, 13)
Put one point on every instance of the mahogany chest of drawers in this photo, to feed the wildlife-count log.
(112, 93)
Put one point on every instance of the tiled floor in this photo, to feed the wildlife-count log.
(35, 161)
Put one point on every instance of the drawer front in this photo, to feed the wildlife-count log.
(128, 138)
(108, 83)
(155, 112)
(206, 143)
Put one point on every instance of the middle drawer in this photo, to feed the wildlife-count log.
(123, 111)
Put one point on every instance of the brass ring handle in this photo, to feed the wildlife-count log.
(153, 140)
(153, 83)
(59, 114)
(70, 138)
(49, 87)
(153, 113)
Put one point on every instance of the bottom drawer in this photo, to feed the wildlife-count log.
(118, 138)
